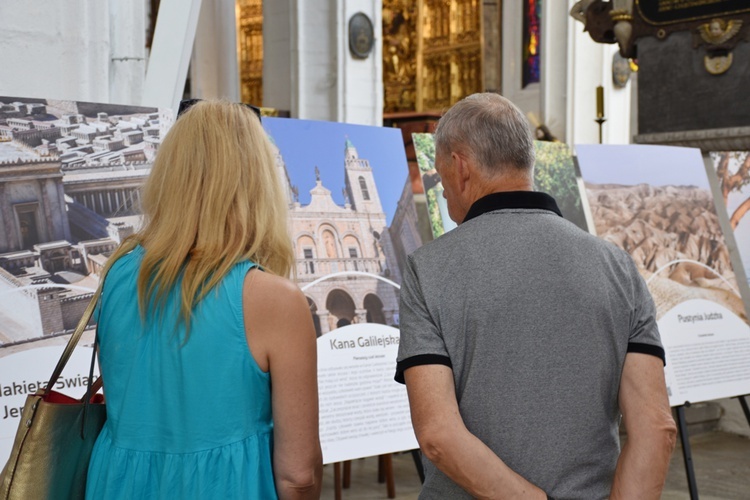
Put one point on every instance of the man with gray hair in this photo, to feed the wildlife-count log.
(523, 338)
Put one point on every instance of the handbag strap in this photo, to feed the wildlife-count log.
(73, 342)
(91, 388)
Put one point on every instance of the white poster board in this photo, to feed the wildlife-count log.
(26, 371)
(364, 412)
(708, 352)
(656, 203)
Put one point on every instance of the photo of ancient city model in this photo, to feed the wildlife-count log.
(70, 174)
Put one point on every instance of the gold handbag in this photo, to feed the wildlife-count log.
(52, 448)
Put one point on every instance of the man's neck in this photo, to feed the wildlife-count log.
(502, 185)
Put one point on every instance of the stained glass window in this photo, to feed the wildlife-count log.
(532, 30)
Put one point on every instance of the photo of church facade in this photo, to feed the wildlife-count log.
(349, 246)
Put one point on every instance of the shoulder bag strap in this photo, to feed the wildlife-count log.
(73, 342)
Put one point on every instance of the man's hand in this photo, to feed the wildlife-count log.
(644, 461)
(445, 440)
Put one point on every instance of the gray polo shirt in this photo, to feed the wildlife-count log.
(535, 318)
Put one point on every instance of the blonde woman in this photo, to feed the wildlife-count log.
(207, 350)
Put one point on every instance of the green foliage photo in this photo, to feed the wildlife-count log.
(554, 173)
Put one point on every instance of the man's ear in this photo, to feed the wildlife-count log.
(463, 170)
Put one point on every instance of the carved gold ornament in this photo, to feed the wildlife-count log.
(718, 65)
(250, 50)
(432, 53)
(719, 31)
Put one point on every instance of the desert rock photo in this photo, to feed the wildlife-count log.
(672, 226)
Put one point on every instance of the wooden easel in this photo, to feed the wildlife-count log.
(385, 475)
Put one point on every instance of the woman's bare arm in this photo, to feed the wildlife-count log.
(281, 337)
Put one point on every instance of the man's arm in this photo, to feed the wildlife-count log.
(446, 441)
(644, 461)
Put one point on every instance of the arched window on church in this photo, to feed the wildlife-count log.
(363, 187)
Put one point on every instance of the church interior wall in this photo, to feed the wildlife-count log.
(361, 79)
(77, 39)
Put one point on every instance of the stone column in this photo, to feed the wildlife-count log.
(127, 40)
(214, 69)
(64, 215)
(360, 316)
(48, 233)
(10, 242)
(389, 317)
(325, 327)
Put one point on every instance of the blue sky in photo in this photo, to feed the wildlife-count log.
(641, 164)
(305, 144)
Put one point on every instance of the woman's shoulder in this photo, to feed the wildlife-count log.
(127, 261)
(270, 288)
(275, 299)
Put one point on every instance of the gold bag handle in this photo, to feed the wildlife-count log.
(73, 342)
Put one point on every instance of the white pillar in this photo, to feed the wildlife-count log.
(53, 49)
(280, 55)
(585, 72)
(554, 62)
(590, 65)
(307, 57)
(360, 82)
(127, 69)
(617, 102)
(214, 68)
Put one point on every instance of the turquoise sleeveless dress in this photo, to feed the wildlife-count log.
(188, 421)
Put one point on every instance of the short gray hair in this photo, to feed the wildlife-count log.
(490, 129)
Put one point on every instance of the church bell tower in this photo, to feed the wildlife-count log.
(360, 183)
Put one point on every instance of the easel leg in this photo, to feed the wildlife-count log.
(686, 454)
(389, 479)
(418, 464)
(337, 480)
(745, 408)
(347, 481)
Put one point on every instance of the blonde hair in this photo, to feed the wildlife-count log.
(212, 199)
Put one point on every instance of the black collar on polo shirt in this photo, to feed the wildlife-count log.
(512, 199)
